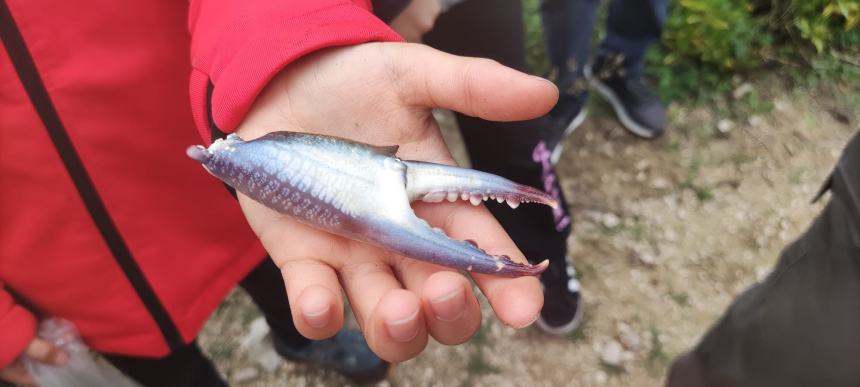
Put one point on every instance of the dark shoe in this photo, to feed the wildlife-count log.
(635, 105)
(567, 115)
(346, 353)
(561, 313)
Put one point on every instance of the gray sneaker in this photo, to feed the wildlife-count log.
(346, 353)
(635, 105)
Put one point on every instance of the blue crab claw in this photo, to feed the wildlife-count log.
(363, 192)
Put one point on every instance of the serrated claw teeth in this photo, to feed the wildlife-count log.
(434, 197)
(424, 180)
(475, 200)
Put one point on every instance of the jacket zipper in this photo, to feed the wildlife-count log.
(25, 67)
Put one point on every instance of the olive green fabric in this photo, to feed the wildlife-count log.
(801, 325)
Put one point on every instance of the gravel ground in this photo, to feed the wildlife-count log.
(665, 234)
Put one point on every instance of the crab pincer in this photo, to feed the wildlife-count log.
(363, 192)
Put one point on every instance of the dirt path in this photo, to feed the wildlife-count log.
(665, 234)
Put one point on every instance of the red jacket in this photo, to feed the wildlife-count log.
(103, 219)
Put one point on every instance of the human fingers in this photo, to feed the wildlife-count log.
(390, 317)
(307, 258)
(516, 301)
(451, 311)
(473, 86)
(315, 300)
(45, 352)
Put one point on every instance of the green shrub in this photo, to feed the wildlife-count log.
(825, 24)
(722, 33)
(706, 42)
(536, 59)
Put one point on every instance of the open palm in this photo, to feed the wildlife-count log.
(383, 94)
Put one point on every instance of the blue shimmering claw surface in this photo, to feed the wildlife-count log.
(363, 192)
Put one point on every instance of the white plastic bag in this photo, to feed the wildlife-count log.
(82, 369)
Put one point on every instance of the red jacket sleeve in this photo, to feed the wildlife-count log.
(17, 328)
(238, 46)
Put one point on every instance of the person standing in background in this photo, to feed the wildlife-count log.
(617, 72)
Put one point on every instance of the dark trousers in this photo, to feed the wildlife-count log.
(631, 26)
(494, 29)
(801, 325)
(187, 366)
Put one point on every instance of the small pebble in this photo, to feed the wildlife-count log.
(647, 258)
(725, 125)
(600, 377)
(610, 220)
(269, 360)
(742, 90)
(612, 354)
(246, 374)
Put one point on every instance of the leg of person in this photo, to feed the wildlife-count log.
(493, 29)
(618, 71)
(799, 327)
(185, 367)
(567, 26)
(346, 353)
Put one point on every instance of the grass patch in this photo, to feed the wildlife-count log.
(657, 360)
(580, 334)
(752, 104)
(680, 298)
(477, 365)
(703, 192)
(635, 230)
(481, 337)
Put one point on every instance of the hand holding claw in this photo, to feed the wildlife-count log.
(383, 93)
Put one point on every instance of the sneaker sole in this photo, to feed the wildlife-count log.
(577, 121)
(626, 121)
(564, 329)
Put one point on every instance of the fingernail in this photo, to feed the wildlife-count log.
(318, 318)
(531, 322)
(449, 307)
(405, 329)
(544, 79)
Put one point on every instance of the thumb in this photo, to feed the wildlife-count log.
(45, 352)
(473, 86)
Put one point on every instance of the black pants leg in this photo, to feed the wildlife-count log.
(185, 367)
(801, 325)
(189, 367)
(494, 29)
(632, 25)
